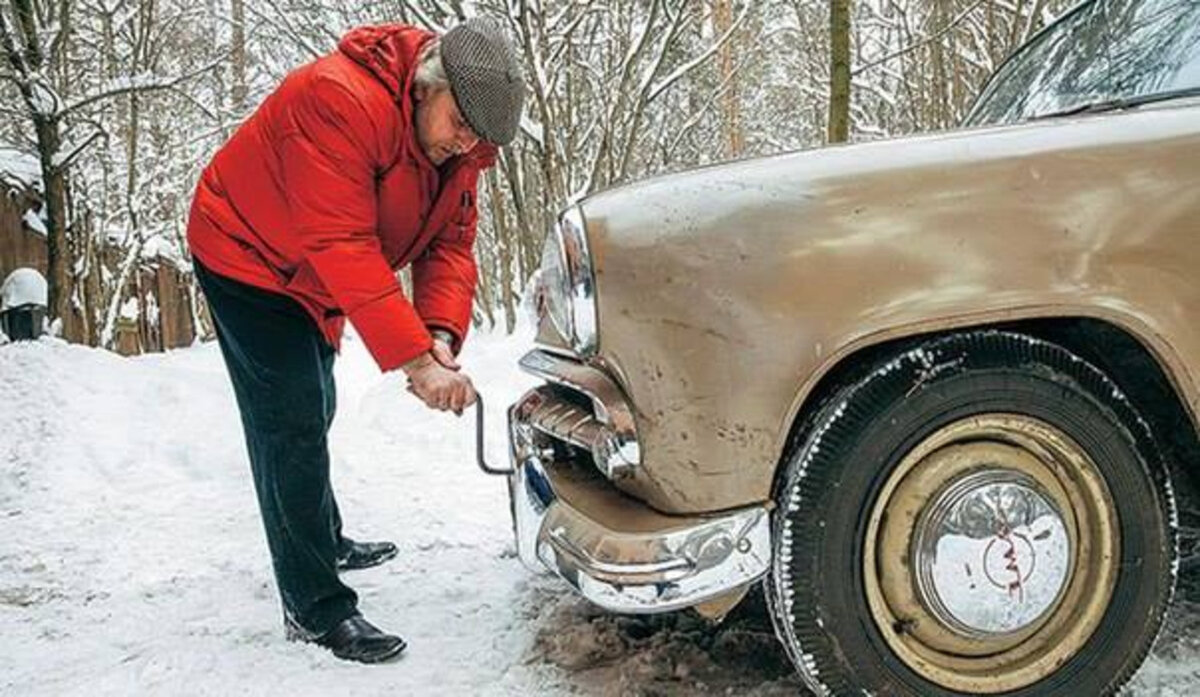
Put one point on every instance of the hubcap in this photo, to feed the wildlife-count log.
(991, 553)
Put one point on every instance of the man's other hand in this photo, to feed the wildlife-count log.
(439, 387)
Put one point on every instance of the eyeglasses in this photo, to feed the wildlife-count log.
(465, 137)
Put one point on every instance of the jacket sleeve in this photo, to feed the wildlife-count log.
(445, 274)
(328, 157)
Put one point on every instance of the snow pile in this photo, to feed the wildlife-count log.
(23, 287)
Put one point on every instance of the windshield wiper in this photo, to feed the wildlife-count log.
(1120, 103)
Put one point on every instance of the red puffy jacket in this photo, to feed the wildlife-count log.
(324, 192)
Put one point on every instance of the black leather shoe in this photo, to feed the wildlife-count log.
(353, 639)
(363, 555)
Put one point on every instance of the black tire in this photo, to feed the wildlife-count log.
(847, 460)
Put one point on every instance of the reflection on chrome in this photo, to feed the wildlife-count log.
(609, 432)
(566, 286)
(992, 553)
(581, 286)
(693, 559)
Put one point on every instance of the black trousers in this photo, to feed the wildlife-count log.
(282, 373)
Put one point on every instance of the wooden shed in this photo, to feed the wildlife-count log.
(165, 317)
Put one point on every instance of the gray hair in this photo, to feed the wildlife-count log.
(431, 72)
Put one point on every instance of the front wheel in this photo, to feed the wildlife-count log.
(983, 514)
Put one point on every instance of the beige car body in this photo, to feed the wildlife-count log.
(725, 294)
(729, 354)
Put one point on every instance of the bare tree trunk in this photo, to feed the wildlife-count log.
(108, 334)
(940, 82)
(730, 103)
(839, 71)
(143, 320)
(237, 55)
(58, 253)
(28, 61)
(93, 294)
(505, 243)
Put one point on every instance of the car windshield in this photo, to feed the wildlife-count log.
(1106, 52)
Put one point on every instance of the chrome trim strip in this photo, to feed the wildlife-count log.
(693, 560)
(612, 410)
(584, 430)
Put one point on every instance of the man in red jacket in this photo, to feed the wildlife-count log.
(360, 163)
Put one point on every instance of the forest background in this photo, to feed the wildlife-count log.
(113, 108)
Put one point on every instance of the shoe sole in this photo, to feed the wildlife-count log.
(380, 658)
(292, 633)
(378, 561)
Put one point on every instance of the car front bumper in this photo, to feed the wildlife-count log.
(616, 551)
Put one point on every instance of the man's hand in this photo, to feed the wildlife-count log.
(439, 387)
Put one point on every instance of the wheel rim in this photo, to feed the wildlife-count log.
(991, 553)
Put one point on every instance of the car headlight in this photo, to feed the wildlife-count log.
(568, 284)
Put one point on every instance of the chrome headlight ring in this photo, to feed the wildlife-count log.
(568, 282)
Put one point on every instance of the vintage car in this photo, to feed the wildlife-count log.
(936, 393)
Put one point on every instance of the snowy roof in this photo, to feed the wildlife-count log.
(19, 169)
(159, 246)
(23, 287)
(156, 248)
(34, 221)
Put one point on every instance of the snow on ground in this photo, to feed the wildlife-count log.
(133, 557)
(133, 560)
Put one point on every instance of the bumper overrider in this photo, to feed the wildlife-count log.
(569, 438)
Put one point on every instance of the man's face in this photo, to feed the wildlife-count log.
(441, 129)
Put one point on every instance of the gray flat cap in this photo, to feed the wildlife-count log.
(485, 78)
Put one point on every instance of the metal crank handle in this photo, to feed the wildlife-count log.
(483, 465)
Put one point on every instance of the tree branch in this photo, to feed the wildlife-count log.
(701, 58)
(706, 107)
(923, 42)
(423, 17)
(286, 26)
(64, 163)
(139, 88)
(8, 40)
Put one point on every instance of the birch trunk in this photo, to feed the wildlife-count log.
(839, 71)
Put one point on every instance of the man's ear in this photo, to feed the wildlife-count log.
(420, 92)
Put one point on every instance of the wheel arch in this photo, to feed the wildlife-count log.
(1133, 362)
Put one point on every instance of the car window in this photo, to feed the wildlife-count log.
(1102, 51)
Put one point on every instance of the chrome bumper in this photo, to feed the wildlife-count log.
(642, 561)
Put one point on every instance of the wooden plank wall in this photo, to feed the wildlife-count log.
(21, 247)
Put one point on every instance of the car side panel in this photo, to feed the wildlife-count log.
(727, 292)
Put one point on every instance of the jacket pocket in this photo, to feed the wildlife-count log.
(463, 224)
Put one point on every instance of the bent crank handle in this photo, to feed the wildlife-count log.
(483, 465)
